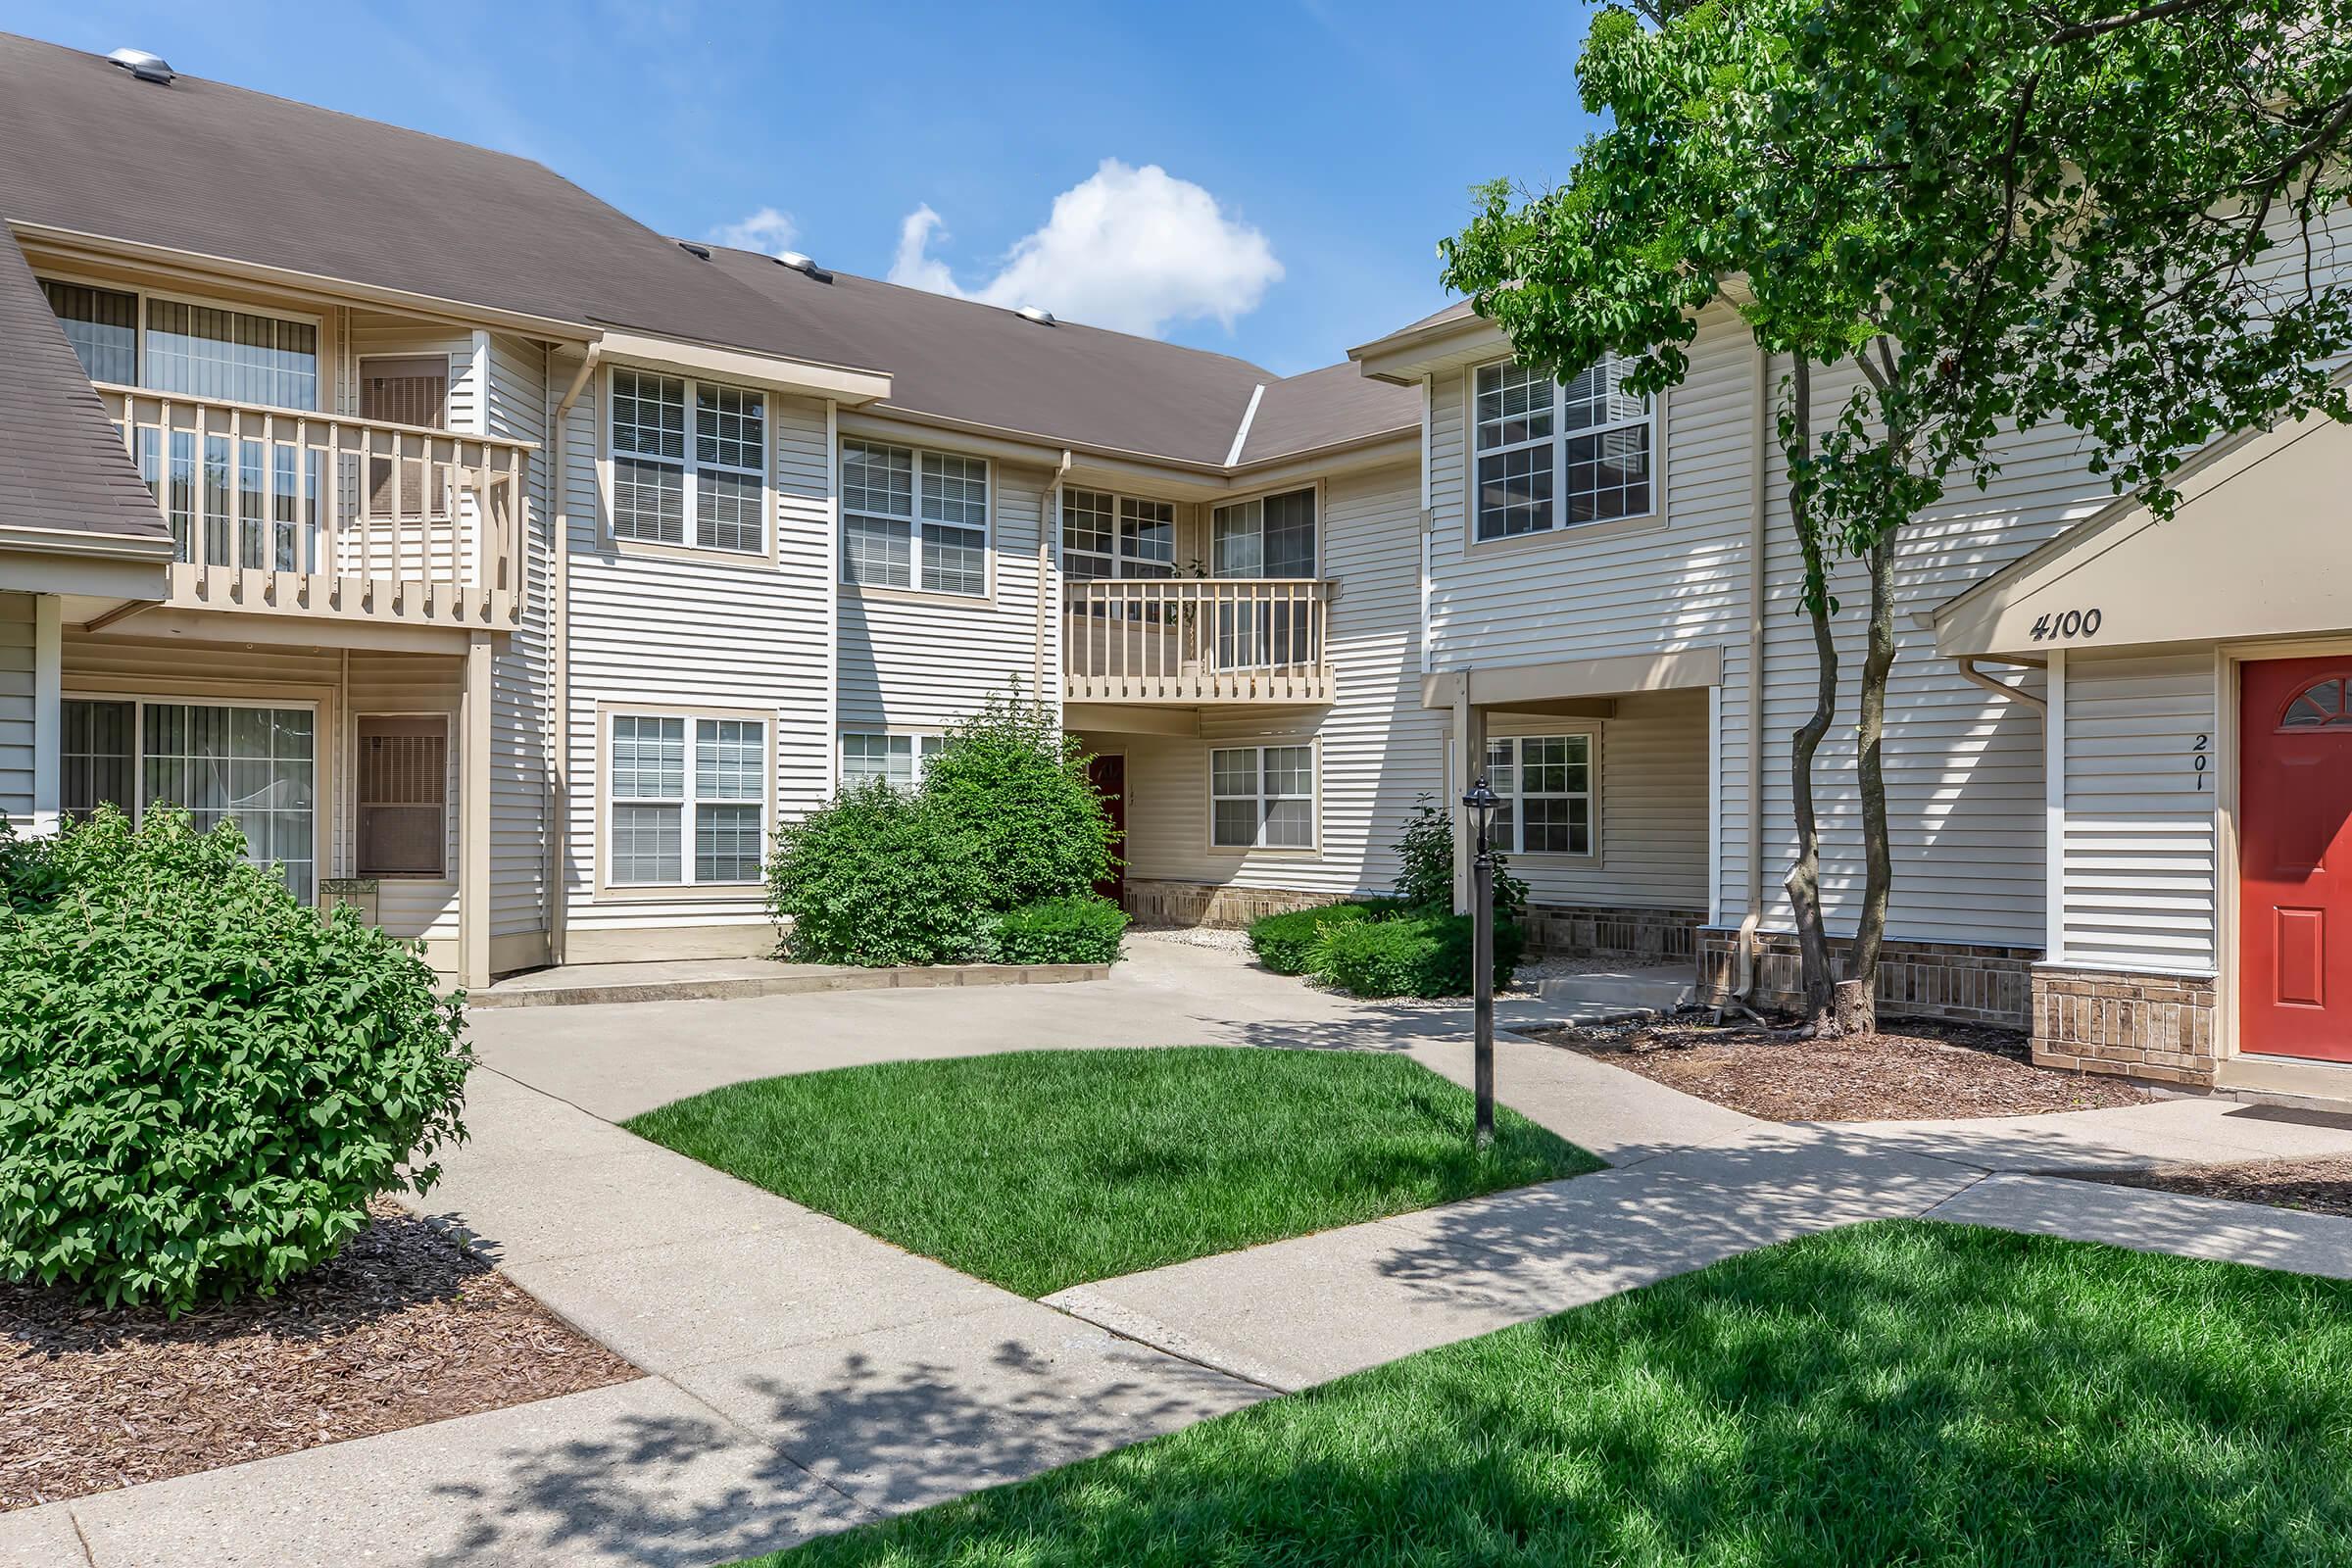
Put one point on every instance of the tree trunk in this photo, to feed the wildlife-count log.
(1869, 732)
(1803, 880)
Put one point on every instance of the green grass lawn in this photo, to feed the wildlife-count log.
(1901, 1393)
(1048, 1168)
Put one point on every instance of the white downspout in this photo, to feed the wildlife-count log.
(559, 655)
(1744, 979)
(1429, 531)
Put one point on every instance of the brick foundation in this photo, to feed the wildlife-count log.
(1961, 981)
(2157, 1026)
(1641, 936)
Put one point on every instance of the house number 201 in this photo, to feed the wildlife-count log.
(2070, 624)
(2201, 761)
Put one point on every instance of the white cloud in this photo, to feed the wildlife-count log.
(766, 229)
(1135, 250)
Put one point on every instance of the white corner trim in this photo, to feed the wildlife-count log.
(1233, 454)
(48, 712)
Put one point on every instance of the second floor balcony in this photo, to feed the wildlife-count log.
(1187, 641)
(291, 512)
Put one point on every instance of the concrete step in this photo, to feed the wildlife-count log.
(1660, 987)
(2319, 1086)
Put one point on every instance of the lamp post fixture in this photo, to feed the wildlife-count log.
(1481, 803)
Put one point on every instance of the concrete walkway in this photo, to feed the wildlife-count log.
(803, 1376)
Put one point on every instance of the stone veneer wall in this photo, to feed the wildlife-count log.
(1959, 981)
(2158, 1026)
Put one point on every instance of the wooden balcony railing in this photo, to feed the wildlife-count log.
(1214, 640)
(281, 512)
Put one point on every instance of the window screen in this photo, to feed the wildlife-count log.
(403, 769)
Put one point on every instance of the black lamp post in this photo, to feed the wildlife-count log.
(1482, 802)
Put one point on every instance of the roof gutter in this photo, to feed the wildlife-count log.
(558, 617)
(77, 542)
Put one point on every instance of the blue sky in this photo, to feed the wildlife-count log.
(1332, 143)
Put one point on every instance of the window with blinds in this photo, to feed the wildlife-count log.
(413, 389)
(403, 769)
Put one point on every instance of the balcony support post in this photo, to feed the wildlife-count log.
(473, 815)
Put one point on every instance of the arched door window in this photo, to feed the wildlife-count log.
(2321, 705)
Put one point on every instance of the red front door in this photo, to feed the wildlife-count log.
(2295, 858)
(1108, 775)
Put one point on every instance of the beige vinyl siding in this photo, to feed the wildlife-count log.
(645, 631)
(513, 402)
(2139, 837)
(923, 660)
(1380, 750)
(1650, 807)
(16, 630)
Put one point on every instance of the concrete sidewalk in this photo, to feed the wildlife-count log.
(803, 1376)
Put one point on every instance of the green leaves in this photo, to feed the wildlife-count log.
(201, 1082)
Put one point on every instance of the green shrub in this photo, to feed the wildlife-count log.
(1425, 864)
(1078, 929)
(1421, 955)
(876, 877)
(202, 1081)
(1286, 943)
(1010, 785)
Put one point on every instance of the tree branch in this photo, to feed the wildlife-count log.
(2131, 18)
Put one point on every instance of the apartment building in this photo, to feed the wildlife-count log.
(512, 571)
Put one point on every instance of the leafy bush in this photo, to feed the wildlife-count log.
(1425, 864)
(202, 1081)
(1420, 955)
(876, 877)
(1286, 943)
(1012, 786)
(1077, 929)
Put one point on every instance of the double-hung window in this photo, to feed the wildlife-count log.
(914, 518)
(1553, 456)
(687, 799)
(669, 467)
(1262, 797)
(1545, 782)
(221, 761)
(896, 759)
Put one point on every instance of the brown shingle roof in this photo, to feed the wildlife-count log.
(61, 465)
(200, 166)
(1325, 407)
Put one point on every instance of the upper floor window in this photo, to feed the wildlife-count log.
(1103, 535)
(1273, 536)
(660, 477)
(1556, 456)
(204, 351)
(913, 520)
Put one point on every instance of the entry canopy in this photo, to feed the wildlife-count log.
(2259, 547)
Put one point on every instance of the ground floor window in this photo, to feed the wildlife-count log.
(220, 759)
(896, 759)
(1545, 782)
(403, 795)
(1262, 797)
(687, 799)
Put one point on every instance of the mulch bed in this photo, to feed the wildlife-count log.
(1917, 1068)
(401, 1328)
(2322, 1186)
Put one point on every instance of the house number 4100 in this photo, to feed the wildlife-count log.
(2071, 623)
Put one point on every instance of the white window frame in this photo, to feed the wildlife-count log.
(1258, 766)
(921, 746)
(916, 525)
(322, 800)
(690, 467)
(1118, 558)
(322, 353)
(1511, 788)
(689, 802)
(1556, 444)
